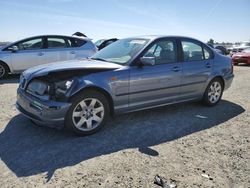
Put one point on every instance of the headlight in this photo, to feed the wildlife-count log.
(37, 87)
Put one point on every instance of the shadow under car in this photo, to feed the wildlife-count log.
(28, 150)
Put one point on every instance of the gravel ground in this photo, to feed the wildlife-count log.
(178, 142)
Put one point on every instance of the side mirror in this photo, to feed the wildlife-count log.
(147, 61)
(14, 48)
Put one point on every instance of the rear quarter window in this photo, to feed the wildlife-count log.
(78, 42)
(208, 54)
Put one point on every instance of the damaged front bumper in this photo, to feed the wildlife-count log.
(45, 113)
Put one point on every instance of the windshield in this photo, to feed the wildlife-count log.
(247, 50)
(122, 51)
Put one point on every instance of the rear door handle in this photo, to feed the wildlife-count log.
(176, 69)
(72, 52)
(208, 65)
(40, 54)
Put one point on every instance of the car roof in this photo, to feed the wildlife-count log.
(154, 37)
(55, 35)
(50, 35)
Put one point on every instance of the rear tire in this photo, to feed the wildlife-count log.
(4, 70)
(88, 113)
(213, 93)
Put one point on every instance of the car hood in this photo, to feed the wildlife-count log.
(90, 64)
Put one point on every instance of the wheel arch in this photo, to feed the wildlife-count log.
(102, 91)
(221, 78)
(5, 64)
(212, 78)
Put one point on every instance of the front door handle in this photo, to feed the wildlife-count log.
(72, 52)
(176, 69)
(208, 65)
(40, 54)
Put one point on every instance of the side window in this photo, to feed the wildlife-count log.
(192, 51)
(56, 42)
(69, 42)
(207, 53)
(164, 52)
(32, 44)
(77, 42)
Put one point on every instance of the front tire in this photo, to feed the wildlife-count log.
(88, 113)
(213, 93)
(3, 70)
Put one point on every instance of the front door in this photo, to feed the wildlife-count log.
(157, 84)
(29, 53)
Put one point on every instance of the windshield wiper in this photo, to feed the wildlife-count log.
(100, 59)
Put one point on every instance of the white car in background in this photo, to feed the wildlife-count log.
(21, 55)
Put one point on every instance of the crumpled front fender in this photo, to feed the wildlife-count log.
(89, 82)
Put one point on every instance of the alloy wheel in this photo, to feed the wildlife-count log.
(88, 114)
(214, 92)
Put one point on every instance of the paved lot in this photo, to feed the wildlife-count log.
(179, 142)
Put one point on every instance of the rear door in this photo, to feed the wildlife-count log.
(197, 68)
(81, 48)
(58, 49)
(30, 53)
(157, 84)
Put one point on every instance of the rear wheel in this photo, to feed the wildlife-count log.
(213, 92)
(88, 113)
(4, 70)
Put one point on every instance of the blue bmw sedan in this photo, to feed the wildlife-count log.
(129, 75)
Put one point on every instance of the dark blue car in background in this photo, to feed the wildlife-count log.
(128, 75)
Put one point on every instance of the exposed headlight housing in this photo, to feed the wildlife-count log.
(61, 88)
(68, 84)
(64, 85)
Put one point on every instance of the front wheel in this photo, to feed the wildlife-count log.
(213, 92)
(3, 70)
(88, 113)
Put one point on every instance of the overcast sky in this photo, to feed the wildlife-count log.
(222, 20)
